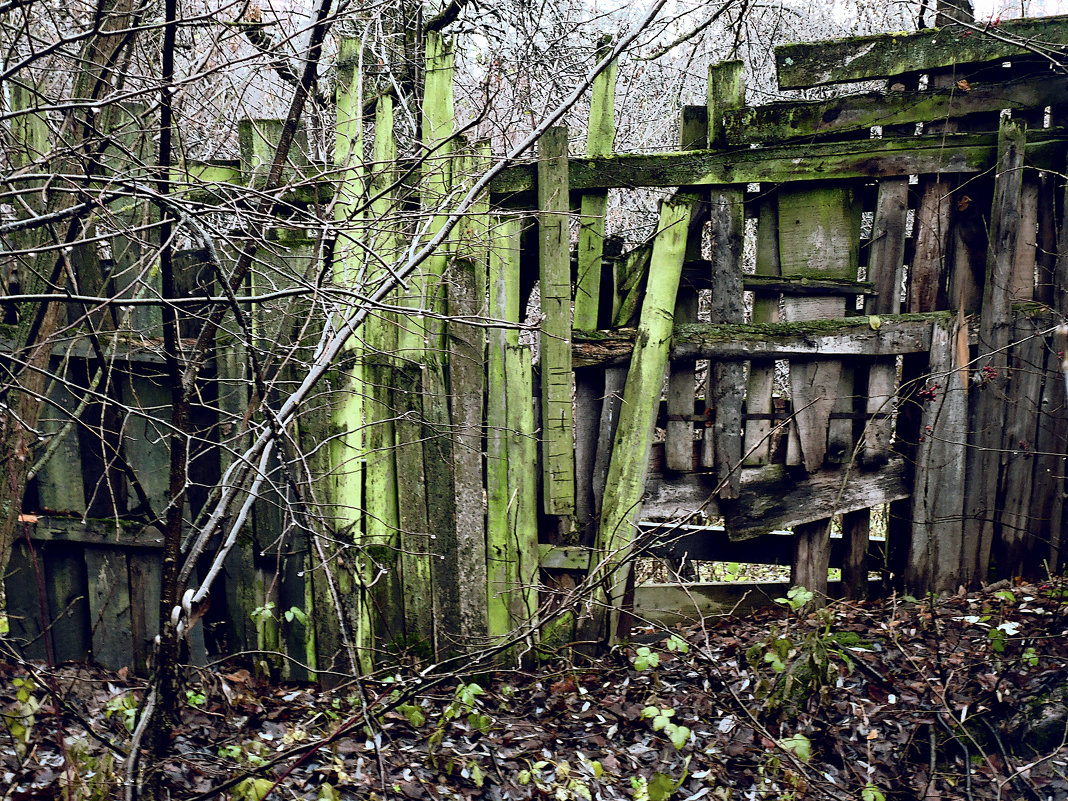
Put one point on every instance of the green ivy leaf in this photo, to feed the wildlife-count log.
(679, 736)
(798, 745)
(413, 714)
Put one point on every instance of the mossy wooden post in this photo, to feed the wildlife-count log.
(466, 367)
(758, 397)
(347, 447)
(819, 237)
(558, 436)
(522, 447)
(679, 442)
(995, 330)
(500, 541)
(589, 385)
(438, 127)
(641, 398)
(382, 522)
(722, 448)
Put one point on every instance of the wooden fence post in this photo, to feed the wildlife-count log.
(726, 381)
(558, 437)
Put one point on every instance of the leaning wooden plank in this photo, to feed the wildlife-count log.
(589, 385)
(725, 385)
(641, 398)
(966, 153)
(678, 439)
(501, 557)
(860, 58)
(837, 338)
(885, 265)
(558, 435)
(758, 396)
(109, 607)
(995, 330)
(778, 122)
(937, 501)
(59, 480)
(145, 578)
(772, 499)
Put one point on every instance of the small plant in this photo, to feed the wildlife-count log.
(646, 658)
(124, 706)
(800, 663)
(195, 699)
(661, 718)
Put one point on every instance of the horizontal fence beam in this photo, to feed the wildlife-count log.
(887, 335)
(964, 153)
(778, 122)
(773, 498)
(860, 58)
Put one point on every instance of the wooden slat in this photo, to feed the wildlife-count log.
(840, 338)
(779, 122)
(859, 58)
(109, 606)
(759, 392)
(995, 329)
(966, 153)
(773, 499)
(558, 436)
(725, 385)
(678, 435)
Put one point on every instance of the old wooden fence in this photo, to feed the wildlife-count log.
(853, 300)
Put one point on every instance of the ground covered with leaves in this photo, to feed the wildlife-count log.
(964, 698)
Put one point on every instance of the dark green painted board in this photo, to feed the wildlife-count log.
(68, 603)
(109, 606)
(23, 603)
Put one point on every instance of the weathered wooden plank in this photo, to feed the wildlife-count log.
(467, 343)
(641, 397)
(109, 606)
(819, 235)
(701, 544)
(678, 441)
(995, 328)
(589, 386)
(68, 608)
(835, 338)
(1051, 445)
(772, 498)
(558, 436)
(725, 387)
(504, 306)
(778, 122)
(24, 601)
(885, 265)
(934, 555)
(145, 578)
(97, 532)
(803, 286)
(966, 153)
(757, 445)
(381, 338)
(856, 526)
(668, 604)
(1018, 549)
(858, 58)
(812, 557)
(522, 484)
(59, 480)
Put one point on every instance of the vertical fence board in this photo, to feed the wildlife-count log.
(522, 485)
(502, 559)
(722, 447)
(995, 329)
(558, 444)
(589, 385)
(679, 442)
(765, 310)
(109, 606)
